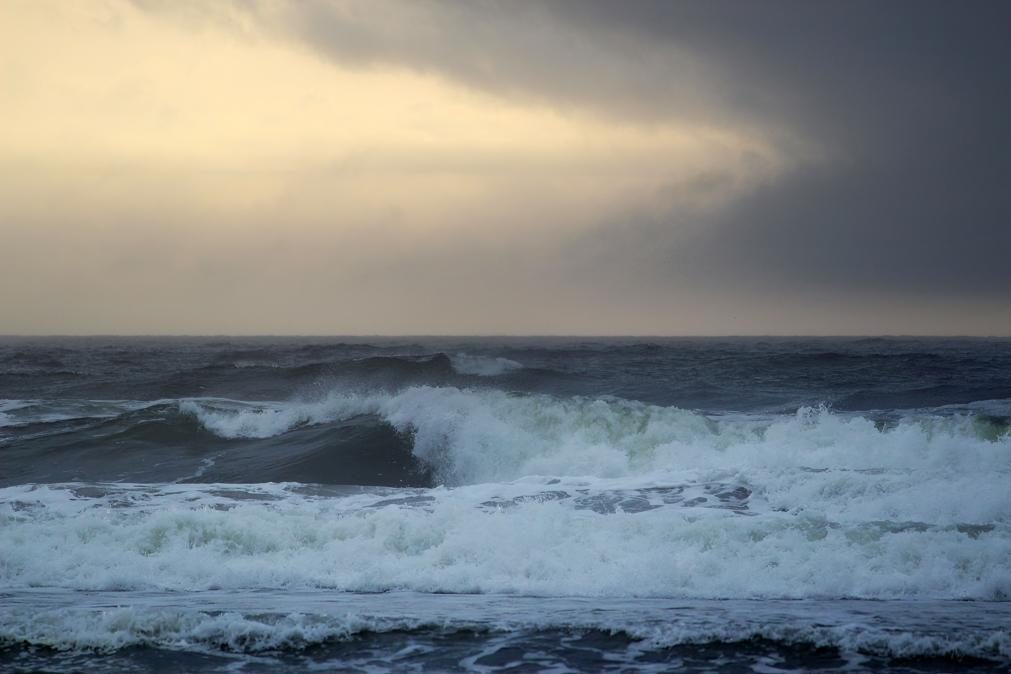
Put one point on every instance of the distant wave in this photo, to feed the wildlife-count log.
(483, 366)
(27, 412)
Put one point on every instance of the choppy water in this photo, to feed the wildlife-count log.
(505, 504)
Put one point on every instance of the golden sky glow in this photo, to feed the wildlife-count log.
(190, 170)
(103, 84)
(167, 166)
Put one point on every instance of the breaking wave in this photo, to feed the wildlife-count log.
(484, 366)
(474, 436)
(557, 537)
(931, 466)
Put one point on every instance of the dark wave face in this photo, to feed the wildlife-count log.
(159, 443)
(519, 504)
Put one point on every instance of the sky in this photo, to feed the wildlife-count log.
(585, 167)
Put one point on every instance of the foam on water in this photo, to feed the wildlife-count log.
(236, 419)
(923, 467)
(529, 537)
(271, 622)
(483, 366)
(558, 496)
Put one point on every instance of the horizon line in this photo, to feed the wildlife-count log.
(507, 335)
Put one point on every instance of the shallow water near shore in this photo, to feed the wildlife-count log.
(217, 631)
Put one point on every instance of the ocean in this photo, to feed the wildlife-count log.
(505, 504)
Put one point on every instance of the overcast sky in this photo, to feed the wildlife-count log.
(512, 167)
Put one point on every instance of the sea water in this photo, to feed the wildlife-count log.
(438, 504)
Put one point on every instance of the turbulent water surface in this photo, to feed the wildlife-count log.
(255, 504)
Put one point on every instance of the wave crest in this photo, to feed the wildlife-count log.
(490, 435)
(483, 366)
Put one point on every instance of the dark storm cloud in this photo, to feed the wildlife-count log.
(914, 101)
(535, 50)
(911, 101)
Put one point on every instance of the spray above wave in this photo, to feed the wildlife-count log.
(484, 366)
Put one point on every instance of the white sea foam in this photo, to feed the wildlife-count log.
(951, 469)
(252, 363)
(483, 366)
(558, 496)
(495, 538)
(233, 419)
(124, 627)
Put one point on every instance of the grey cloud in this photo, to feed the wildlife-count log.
(918, 97)
(534, 50)
(912, 101)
